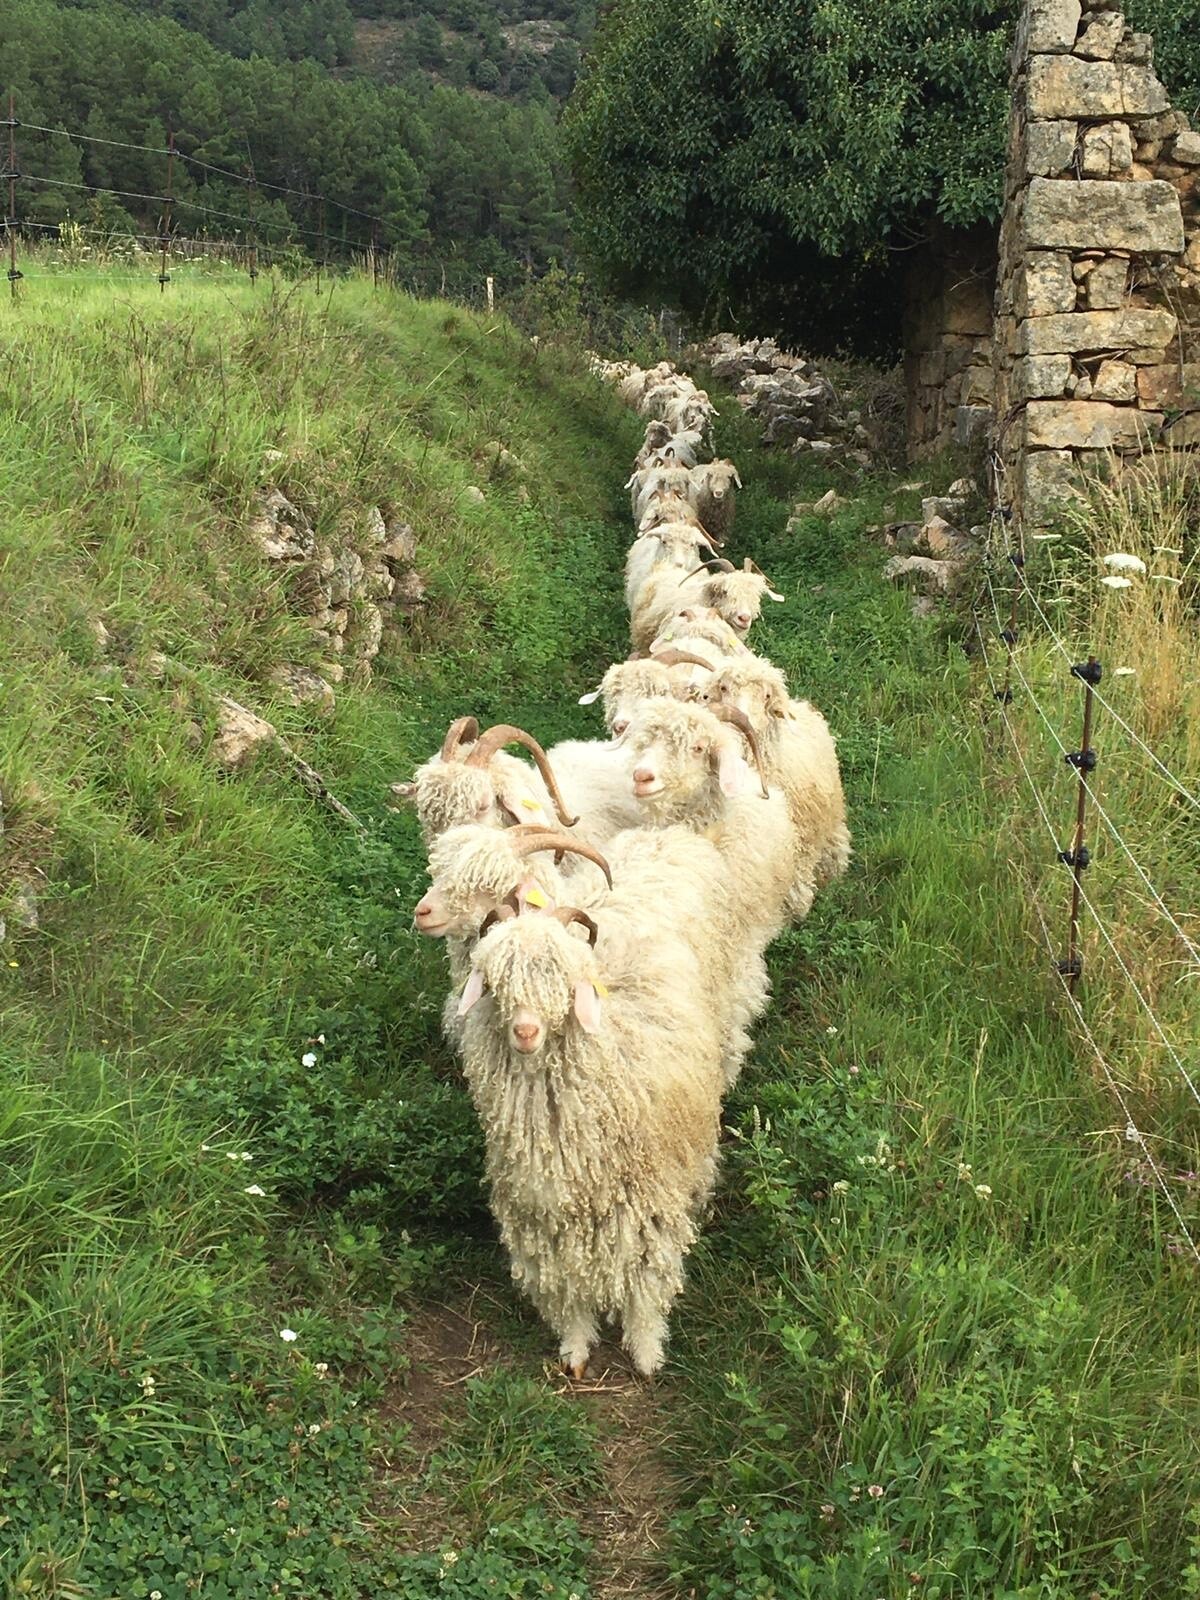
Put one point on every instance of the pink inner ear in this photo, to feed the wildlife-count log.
(731, 769)
(587, 1006)
(472, 992)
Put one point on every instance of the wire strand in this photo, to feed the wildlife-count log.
(1085, 899)
(1132, 1132)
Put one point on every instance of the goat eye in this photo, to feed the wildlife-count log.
(697, 749)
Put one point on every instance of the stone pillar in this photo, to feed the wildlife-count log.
(1098, 283)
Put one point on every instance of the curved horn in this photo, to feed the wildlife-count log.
(551, 839)
(683, 658)
(504, 912)
(464, 731)
(752, 566)
(741, 722)
(504, 733)
(569, 914)
(717, 564)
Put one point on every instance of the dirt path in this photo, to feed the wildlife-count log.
(450, 1342)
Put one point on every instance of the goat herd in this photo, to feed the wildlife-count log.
(606, 913)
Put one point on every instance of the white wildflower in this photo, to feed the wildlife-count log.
(156, 1594)
(875, 1490)
(984, 1191)
(1117, 583)
(308, 1059)
(449, 1557)
(314, 1429)
(204, 1149)
(321, 1369)
(288, 1335)
(964, 1171)
(1120, 562)
(831, 1029)
(254, 1188)
(1123, 672)
(841, 1187)
(320, 1038)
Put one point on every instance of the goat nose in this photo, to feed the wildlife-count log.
(642, 775)
(424, 911)
(744, 619)
(525, 1031)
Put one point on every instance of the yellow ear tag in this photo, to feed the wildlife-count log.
(535, 897)
(600, 989)
(530, 803)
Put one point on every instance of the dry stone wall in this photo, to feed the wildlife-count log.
(948, 380)
(1096, 339)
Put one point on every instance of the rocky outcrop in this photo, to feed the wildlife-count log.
(1097, 319)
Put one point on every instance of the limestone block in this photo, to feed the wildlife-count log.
(240, 734)
(1165, 125)
(1186, 149)
(1107, 149)
(1116, 381)
(971, 423)
(1107, 284)
(1049, 148)
(1184, 431)
(1091, 215)
(1052, 25)
(1137, 48)
(1044, 284)
(303, 687)
(1170, 385)
(1101, 36)
(979, 387)
(1130, 329)
(1040, 377)
(1046, 478)
(1088, 424)
(1063, 86)
(1081, 387)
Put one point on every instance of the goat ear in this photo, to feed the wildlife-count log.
(731, 769)
(775, 595)
(590, 698)
(587, 1006)
(632, 477)
(520, 801)
(472, 993)
(736, 479)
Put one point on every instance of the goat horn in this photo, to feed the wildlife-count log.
(569, 914)
(741, 722)
(463, 731)
(551, 839)
(752, 566)
(501, 913)
(683, 658)
(504, 733)
(718, 563)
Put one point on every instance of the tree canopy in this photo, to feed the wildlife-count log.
(771, 160)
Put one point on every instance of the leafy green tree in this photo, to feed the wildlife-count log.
(774, 160)
(486, 74)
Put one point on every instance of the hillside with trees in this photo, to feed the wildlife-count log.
(463, 184)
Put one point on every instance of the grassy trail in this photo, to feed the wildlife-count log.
(933, 1341)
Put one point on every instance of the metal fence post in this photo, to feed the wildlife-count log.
(1078, 857)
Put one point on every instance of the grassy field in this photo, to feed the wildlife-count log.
(935, 1341)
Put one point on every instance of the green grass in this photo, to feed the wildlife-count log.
(926, 1272)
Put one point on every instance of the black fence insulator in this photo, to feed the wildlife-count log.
(13, 275)
(1081, 760)
(1003, 695)
(1080, 858)
(14, 176)
(164, 277)
(1090, 671)
(1016, 556)
(1009, 636)
(1071, 968)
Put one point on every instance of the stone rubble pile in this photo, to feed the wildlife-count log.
(795, 403)
(1098, 307)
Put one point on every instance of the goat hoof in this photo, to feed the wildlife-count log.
(577, 1369)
